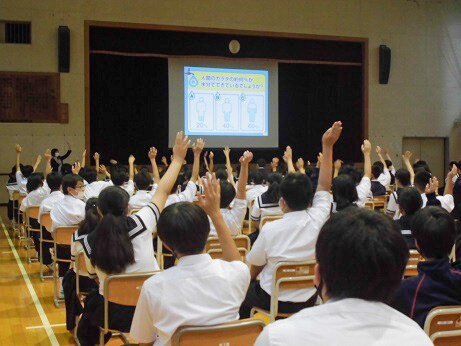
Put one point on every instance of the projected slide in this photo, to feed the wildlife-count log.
(225, 102)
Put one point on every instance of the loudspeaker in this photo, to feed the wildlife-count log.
(384, 64)
(63, 49)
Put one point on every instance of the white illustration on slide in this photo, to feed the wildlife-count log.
(252, 108)
(201, 109)
(226, 112)
(252, 115)
(201, 114)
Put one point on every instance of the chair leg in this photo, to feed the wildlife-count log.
(55, 282)
(42, 278)
(101, 337)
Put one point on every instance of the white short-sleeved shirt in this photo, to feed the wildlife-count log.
(22, 182)
(94, 189)
(140, 199)
(385, 178)
(232, 217)
(447, 202)
(75, 247)
(185, 196)
(49, 202)
(345, 322)
(291, 238)
(262, 208)
(35, 198)
(363, 191)
(68, 212)
(198, 291)
(141, 225)
(255, 191)
(128, 187)
(393, 206)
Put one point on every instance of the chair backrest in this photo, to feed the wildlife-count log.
(243, 332)
(441, 322)
(16, 195)
(412, 265)
(32, 212)
(294, 275)
(267, 219)
(124, 289)
(63, 235)
(20, 199)
(213, 246)
(45, 221)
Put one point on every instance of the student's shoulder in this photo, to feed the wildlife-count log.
(237, 266)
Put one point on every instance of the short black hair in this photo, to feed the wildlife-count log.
(388, 163)
(89, 174)
(369, 249)
(53, 151)
(34, 181)
(380, 164)
(184, 227)
(221, 173)
(376, 171)
(434, 230)
(227, 194)
(261, 163)
(66, 169)
(422, 178)
(421, 164)
(119, 175)
(256, 177)
(344, 191)
(142, 180)
(403, 176)
(26, 170)
(350, 170)
(54, 181)
(179, 182)
(70, 180)
(410, 200)
(296, 190)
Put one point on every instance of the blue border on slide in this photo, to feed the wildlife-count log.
(212, 69)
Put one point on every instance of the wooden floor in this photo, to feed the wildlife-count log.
(23, 321)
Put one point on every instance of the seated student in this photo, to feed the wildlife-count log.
(344, 193)
(371, 255)
(123, 244)
(199, 290)
(120, 177)
(268, 203)
(402, 179)
(73, 306)
(385, 177)
(423, 178)
(389, 166)
(24, 171)
(377, 189)
(234, 217)
(363, 183)
(256, 187)
(293, 237)
(410, 202)
(69, 211)
(437, 284)
(262, 169)
(12, 187)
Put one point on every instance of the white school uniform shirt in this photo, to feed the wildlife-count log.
(49, 202)
(262, 208)
(291, 238)
(128, 187)
(22, 182)
(75, 247)
(142, 225)
(393, 206)
(447, 202)
(35, 198)
(185, 196)
(198, 291)
(232, 217)
(385, 178)
(346, 322)
(140, 199)
(363, 191)
(69, 211)
(255, 191)
(94, 189)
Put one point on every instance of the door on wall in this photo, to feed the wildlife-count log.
(430, 149)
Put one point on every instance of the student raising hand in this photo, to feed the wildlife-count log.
(332, 134)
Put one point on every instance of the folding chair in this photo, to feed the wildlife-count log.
(160, 255)
(370, 205)
(267, 219)
(45, 223)
(380, 202)
(79, 266)
(31, 212)
(18, 213)
(213, 246)
(123, 289)
(243, 332)
(63, 237)
(412, 265)
(288, 276)
(443, 325)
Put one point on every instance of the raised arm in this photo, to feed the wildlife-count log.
(209, 202)
(406, 160)
(230, 173)
(47, 156)
(165, 161)
(37, 162)
(366, 150)
(84, 158)
(337, 165)
(18, 157)
(288, 158)
(104, 171)
(243, 176)
(166, 183)
(211, 156)
(96, 160)
(449, 181)
(300, 165)
(197, 148)
(131, 160)
(152, 155)
(326, 170)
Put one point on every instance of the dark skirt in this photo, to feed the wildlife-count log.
(120, 317)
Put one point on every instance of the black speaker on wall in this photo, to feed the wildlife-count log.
(384, 64)
(63, 49)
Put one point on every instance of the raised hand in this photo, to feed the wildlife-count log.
(366, 147)
(84, 153)
(453, 172)
(96, 156)
(407, 155)
(211, 156)
(131, 159)
(246, 158)
(152, 153)
(432, 186)
(103, 169)
(319, 159)
(198, 146)
(331, 135)
(378, 150)
(18, 148)
(288, 154)
(38, 159)
(300, 163)
(338, 164)
(76, 167)
(164, 161)
(181, 146)
(210, 200)
(226, 151)
(47, 155)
